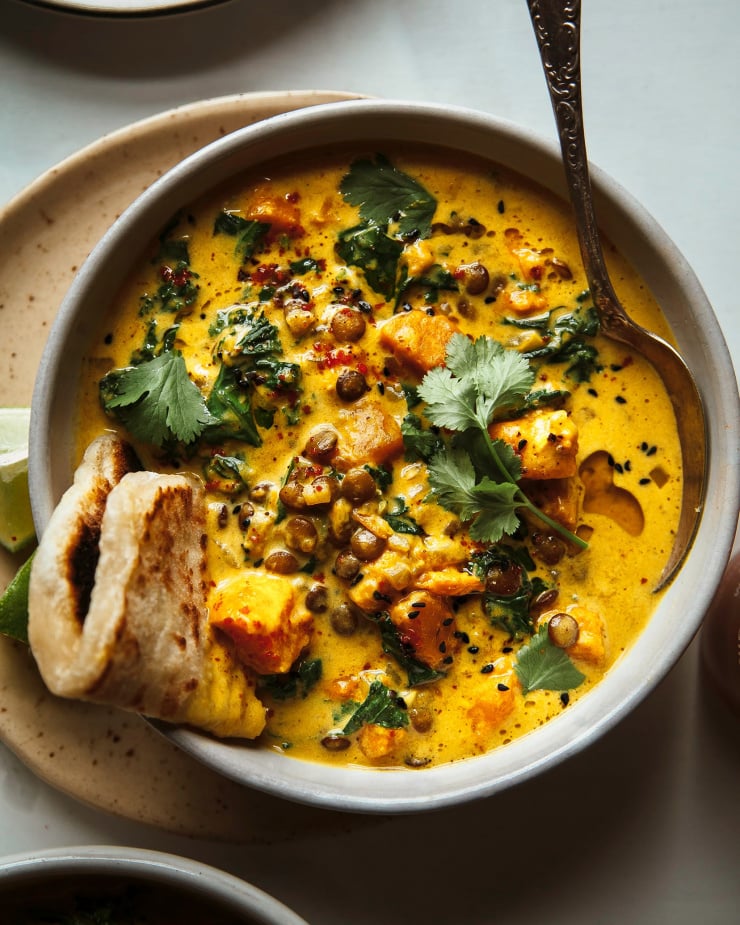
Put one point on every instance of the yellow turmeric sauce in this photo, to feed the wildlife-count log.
(327, 531)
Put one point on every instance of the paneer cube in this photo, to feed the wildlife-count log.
(545, 441)
(367, 434)
(426, 624)
(417, 340)
(257, 611)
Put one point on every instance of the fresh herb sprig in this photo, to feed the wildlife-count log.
(480, 378)
(542, 666)
(157, 401)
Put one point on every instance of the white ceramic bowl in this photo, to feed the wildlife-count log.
(641, 241)
(29, 883)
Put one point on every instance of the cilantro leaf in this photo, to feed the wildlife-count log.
(386, 195)
(542, 666)
(453, 481)
(381, 708)
(157, 401)
(478, 476)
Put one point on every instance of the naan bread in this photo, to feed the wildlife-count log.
(117, 610)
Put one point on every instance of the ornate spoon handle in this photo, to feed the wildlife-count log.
(557, 26)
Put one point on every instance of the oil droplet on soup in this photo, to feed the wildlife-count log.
(311, 302)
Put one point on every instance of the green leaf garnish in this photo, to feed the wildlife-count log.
(156, 401)
(542, 666)
(387, 196)
(381, 708)
(477, 479)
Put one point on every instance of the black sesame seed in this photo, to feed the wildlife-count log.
(108, 339)
(501, 207)
(565, 698)
(620, 400)
(593, 392)
(463, 637)
(507, 649)
(447, 660)
(474, 650)
(487, 669)
(652, 451)
(645, 481)
(447, 622)
(419, 605)
(619, 467)
(412, 614)
(443, 647)
(501, 686)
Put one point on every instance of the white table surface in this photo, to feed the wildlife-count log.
(643, 827)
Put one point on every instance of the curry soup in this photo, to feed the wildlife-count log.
(371, 558)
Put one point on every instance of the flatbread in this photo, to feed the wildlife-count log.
(117, 610)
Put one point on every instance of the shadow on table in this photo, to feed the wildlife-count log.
(154, 46)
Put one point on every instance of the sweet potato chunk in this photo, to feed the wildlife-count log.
(495, 700)
(283, 216)
(257, 610)
(367, 434)
(558, 498)
(417, 340)
(379, 742)
(545, 441)
(426, 623)
(449, 581)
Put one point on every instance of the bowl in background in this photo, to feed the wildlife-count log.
(58, 881)
(633, 232)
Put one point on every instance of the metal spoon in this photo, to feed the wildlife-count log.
(557, 28)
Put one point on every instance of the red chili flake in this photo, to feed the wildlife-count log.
(178, 277)
(362, 367)
(536, 272)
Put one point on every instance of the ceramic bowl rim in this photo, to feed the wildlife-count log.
(143, 865)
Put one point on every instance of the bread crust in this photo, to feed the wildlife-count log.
(117, 598)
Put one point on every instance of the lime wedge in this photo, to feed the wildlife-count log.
(16, 523)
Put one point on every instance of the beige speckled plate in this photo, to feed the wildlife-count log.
(109, 759)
